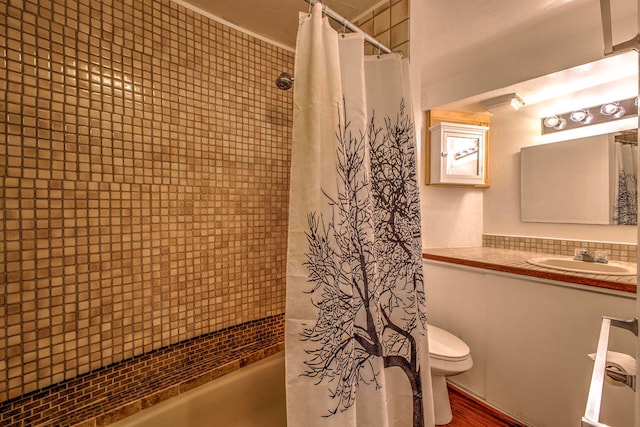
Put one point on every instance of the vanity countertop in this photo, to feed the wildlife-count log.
(515, 262)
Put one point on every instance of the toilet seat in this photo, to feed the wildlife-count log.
(446, 346)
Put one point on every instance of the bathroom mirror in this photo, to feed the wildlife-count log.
(590, 180)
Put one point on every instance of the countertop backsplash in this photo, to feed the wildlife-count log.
(615, 251)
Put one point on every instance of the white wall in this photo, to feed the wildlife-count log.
(510, 131)
(475, 47)
(445, 219)
(451, 217)
(529, 341)
(447, 67)
(567, 181)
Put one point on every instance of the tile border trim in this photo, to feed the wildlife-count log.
(627, 252)
(102, 396)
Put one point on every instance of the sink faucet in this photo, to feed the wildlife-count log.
(586, 256)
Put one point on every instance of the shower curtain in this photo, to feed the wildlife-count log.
(356, 345)
(626, 190)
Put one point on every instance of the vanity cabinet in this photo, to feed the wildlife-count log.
(458, 154)
(529, 340)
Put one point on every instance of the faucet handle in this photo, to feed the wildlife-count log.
(601, 256)
(578, 252)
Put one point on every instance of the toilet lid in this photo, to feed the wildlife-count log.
(446, 346)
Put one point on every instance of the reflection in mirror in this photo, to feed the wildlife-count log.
(625, 206)
(465, 156)
(589, 180)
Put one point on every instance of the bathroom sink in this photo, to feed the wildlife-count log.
(569, 264)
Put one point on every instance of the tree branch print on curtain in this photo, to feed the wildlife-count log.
(365, 266)
(626, 204)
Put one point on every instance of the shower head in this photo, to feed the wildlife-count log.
(284, 81)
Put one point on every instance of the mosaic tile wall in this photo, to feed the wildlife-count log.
(106, 395)
(389, 24)
(145, 157)
(615, 251)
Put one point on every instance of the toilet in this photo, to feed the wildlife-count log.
(448, 355)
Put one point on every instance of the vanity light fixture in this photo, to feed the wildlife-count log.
(466, 152)
(604, 113)
(555, 122)
(513, 100)
(581, 116)
(613, 109)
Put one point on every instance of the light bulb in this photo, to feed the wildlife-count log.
(620, 113)
(578, 116)
(562, 123)
(551, 121)
(610, 108)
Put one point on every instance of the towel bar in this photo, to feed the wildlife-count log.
(591, 416)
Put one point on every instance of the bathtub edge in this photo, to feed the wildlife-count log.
(133, 407)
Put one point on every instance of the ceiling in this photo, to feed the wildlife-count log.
(454, 26)
(455, 32)
(276, 20)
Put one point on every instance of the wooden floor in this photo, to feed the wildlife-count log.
(469, 412)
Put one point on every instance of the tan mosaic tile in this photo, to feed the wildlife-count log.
(144, 202)
(145, 151)
(389, 24)
(106, 395)
(614, 251)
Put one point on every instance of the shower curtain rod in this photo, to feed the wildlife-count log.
(347, 24)
(624, 142)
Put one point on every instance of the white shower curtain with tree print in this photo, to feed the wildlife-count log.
(356, 343)
(626, 188)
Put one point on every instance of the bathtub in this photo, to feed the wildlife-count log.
(248, 397)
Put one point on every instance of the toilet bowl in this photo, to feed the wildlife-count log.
(448, 355)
